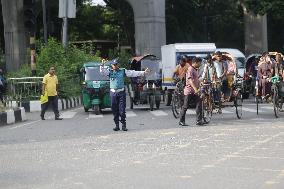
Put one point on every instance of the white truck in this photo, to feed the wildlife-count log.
(170, 58)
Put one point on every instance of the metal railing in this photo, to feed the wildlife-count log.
(29, 88)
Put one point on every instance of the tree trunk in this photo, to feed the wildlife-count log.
(14, 34)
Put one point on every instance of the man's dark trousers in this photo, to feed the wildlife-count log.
(118, 105)
(51, 100)
(191, 98)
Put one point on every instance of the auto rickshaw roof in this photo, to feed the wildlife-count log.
(94, 64)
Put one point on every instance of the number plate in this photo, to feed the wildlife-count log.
(96, 84)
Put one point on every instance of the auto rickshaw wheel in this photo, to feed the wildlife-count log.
(96, 109)
(86, 109)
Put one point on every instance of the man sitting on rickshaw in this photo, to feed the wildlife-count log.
(221, 71)
(231, 73)
(264, 75)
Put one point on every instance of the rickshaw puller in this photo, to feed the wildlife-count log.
(117, 91)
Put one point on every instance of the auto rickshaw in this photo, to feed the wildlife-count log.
(146, 89)
(95, 88)
(251, 67)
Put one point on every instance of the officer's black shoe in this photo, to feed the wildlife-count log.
(199, 123)
(124, 127)
(182, 124)
(116, 128)
(42, 117)
(58, 118)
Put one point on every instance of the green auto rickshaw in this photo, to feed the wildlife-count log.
(95, 88)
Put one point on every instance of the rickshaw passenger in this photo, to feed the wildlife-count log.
(117, 91)
(221, 70)
(265, 73)
(231, 73)
(278, 67)
(209, 72)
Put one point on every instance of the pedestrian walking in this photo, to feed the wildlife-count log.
(191, 92)
(117, 90)
(50, 87)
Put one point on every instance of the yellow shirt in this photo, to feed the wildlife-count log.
(50, 84)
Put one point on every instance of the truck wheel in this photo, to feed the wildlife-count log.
(168, 98)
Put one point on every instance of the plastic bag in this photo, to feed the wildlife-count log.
(43, 98)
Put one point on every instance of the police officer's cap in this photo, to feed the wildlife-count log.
(114, 61)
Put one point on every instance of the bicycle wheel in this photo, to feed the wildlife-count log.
(176, 104)
(207, 108)
(257, 103)
(276, 102)
(239, 105)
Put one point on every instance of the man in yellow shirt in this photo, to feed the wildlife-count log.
(50, 86)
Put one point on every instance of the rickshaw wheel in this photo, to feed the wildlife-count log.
(239, 104)
(276, 103)
(168, 98)
(86, 109)
(158, 104)
(131, 103)
(151, 101)
(257, 103)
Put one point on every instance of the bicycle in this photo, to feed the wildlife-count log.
(177, 98)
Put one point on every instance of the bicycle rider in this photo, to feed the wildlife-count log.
(181, 68)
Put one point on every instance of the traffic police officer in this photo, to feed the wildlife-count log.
(117, 90)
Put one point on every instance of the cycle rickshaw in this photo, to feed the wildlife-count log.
(250, 74)
(146, 89)
(276, 94)
(211, 95)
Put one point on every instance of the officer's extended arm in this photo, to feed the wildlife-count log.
(133, 73)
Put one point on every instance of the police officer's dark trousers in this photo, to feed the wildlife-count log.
(51, 100)
(118, 105)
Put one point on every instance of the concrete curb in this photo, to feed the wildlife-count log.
(63, 104)
(12, 116)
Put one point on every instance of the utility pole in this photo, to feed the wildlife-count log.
(67, 9)
(65, 26)
(44, 21)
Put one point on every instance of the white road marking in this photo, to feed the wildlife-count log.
(94, 116)
(68, 114)
(158, 113)
(250, 110)
(130, 114)
(268, 107)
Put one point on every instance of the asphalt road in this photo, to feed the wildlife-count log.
(82, 151)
